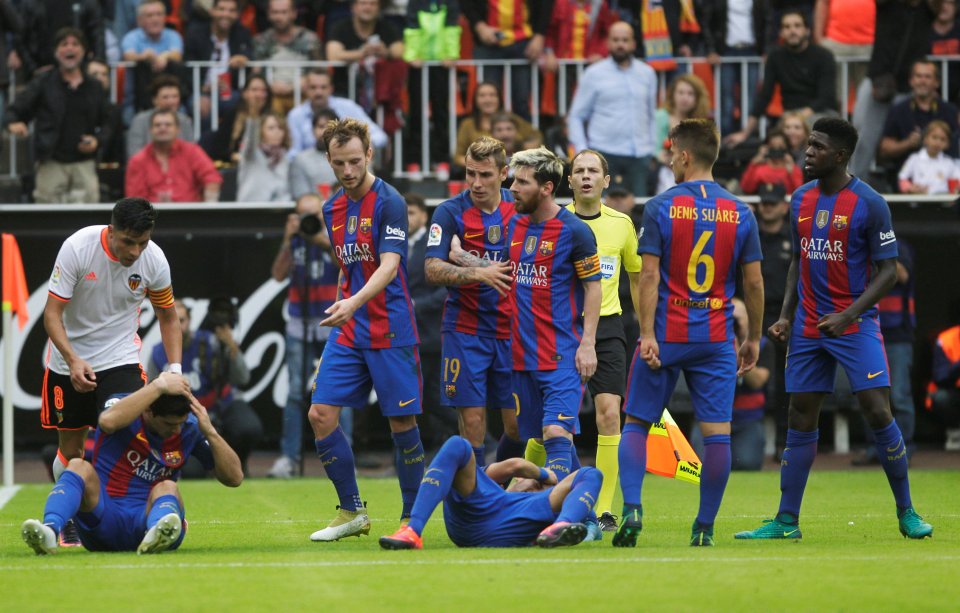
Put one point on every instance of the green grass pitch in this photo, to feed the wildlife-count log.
(248, 549)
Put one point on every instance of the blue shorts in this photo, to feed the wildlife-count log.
(710, 370)
(511, 520)
(345, 374)
(812, 362)
(547, 398)
(476, 372)
(116, 524)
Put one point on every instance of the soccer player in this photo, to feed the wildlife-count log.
(127, 498)
(556, 303)
(374, 340)
(844, 262)
(99, 280)
(476, 317)
(616, 244)
(477, 512)
(693, 238)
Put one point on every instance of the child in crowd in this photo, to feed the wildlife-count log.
(930, 170)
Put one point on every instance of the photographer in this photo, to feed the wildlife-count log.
(304, 259)
(213, 364)
(772, 164)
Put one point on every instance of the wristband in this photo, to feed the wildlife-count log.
(175, 368)
(544, 475)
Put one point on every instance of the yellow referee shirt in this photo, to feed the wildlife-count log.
(616, 243)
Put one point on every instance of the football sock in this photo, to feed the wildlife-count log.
(164, 505)
(574, 458)
(798, 455)
(63, 502)
(893, 456)
(438, 479)
(633, 462)
(409, 466)
(714, 476)
(59, 465)
(479, 453)
(579, 503)
(337, 458)
(558, 456)
(535, 452)
(509, 448)
(608, 464)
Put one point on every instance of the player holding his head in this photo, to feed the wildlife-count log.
(127, 497)
(844, 262)
(616, 245)
(694, 237)
(477, 512)
(374, 340)
(556, 303)
(476, 317)
(99, 280)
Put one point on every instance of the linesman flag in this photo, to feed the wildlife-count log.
(14, 281)
(668, 452)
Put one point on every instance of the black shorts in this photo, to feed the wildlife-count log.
(64, 408)
(611, 375)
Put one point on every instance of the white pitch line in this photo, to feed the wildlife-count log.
(461, 562)
(7, 492)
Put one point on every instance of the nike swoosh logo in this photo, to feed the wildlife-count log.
(472, 234)
(873, 375)
(563, 417)
(791, 533)
(802, 219)
(893, 450)
(411, 450)
(406, 402)
(516, 243)
(335, 228)
(141, 437)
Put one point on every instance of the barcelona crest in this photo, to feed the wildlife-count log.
(172, 458)
(493, 234)
(450, 390)
(365, 224)
(822, 218)
(530, 245)
(352, 224)
(839, 222)
(546, 247)
(134, 281)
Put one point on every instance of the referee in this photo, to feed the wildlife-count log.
(616, 245)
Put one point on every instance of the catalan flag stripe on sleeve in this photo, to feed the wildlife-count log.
(587, 267)
(161, 298)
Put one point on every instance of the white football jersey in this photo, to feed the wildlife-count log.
(103, 299)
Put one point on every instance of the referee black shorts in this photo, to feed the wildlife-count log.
(611, 375)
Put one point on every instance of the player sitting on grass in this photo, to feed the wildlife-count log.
(127, 498)
(479, 513)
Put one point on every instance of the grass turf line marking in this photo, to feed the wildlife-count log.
(479, 561)
(6, 493)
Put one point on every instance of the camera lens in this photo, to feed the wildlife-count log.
(310, 225)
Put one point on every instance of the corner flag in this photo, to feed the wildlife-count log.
(14, 281)
(668, 452)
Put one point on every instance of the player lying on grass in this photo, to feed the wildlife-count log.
(127, 498)
(479, 513)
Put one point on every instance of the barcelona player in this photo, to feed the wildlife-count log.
(374, 341)
(127, 497)
(694, 237)
(476, 316)
(477, 512)
(617, 246)
(844, 262)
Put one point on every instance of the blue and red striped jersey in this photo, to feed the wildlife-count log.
(700, 232)
(476, 308)
(359, 232)
(313, 280)
(550, 261)
(132, 460)
(837, 237)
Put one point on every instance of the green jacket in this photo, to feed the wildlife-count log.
(433, 30)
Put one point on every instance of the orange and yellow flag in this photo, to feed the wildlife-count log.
(668, 452)
(14, 281)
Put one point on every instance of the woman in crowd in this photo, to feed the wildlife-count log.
(264, 169)
(687, 98)
(255, 103)
(487, 103)
(797, 132)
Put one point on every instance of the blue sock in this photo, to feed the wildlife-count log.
(164, 505)
(437, 481)
(578, 505)
(893, 456)
(558, 456)
(713, 477)
(509, 448)
(574, 458)
(409, 466)
(633, 463)
(337, 458)
(479, 454)
(63, 502)
(798, 455)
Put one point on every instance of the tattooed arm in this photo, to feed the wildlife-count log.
(471, 270)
